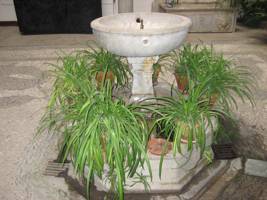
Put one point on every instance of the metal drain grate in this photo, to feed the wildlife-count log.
(56, 169)
(223, 151)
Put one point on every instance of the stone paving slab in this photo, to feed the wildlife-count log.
(205, 178)
(244, 187)
(215, 189)
(256, 168)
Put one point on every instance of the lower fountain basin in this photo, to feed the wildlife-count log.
(177, 171)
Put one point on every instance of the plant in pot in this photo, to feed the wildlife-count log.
(157, 67)
(107, 66)
(158, 144)
(156, 72)
(186, 62)
(109, 134)
(98, 130)
(224, 82)
(184, 121)
(180, 70)
(71, 72)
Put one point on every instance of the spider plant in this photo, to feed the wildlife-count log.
(98, 129)
(184, 120)
(108, 132)
(157, 67)
(185, 62)
(156, 72)
(185, 117)
(180, 70)
(72, 85)
(223, 80)
(107, 66)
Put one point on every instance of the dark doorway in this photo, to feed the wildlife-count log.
(56, 16)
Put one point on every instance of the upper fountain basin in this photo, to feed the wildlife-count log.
(140, 34)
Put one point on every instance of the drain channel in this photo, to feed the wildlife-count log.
(223, 151)
(56, 169)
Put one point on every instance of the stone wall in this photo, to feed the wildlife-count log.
(125, 6)
(206, 15)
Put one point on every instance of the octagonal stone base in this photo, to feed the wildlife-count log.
(177, 171)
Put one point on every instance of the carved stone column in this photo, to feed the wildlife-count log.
(142, 69)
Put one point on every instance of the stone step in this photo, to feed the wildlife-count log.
(214, 191)
(206, 19)
(204, 179)
(256, 167)
(190, 6)
(196, 7)
(197, 1)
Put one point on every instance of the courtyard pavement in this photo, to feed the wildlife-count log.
(25, 85)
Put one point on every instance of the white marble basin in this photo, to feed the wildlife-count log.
(141, 37)
(122, 34)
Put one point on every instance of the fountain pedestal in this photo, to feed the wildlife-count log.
(157, 34)
(142, 70)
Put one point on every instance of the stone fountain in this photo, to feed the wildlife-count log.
(141, 37)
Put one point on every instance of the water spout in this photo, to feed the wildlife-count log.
(141, 21)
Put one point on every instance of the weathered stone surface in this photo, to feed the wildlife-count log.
(256, 167)
(142, 6)
(198, 1)
(215, 189)
(125, 6)
(205, 18)
(244, 187)
(205, 178)
(236, 164)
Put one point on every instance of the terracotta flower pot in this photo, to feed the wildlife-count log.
(185, 141)
(155, 76)
(157, 146)
(100, 76)
(182, 82)
(184, 138)
(213, 99)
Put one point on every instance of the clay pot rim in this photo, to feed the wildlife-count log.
(168, 148)
(185, 141)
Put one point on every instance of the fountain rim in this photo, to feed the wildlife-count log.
(183, 24)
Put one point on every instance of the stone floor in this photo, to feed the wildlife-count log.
(24, 91)
(245, 187)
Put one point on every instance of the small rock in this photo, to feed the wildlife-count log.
(236, 164)
(256, 167)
